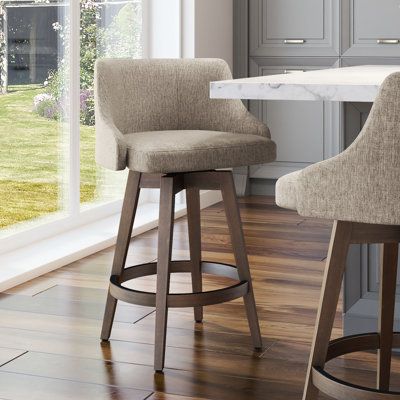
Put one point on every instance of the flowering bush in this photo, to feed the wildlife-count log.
(87, 106)
(57, 82)
(40, 98)
(47, 106)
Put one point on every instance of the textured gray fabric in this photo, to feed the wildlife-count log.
(137, 96)
(180, 151)
(362, 184)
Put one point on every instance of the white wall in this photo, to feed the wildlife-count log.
(214, 29)
(164, 28)
(191, 29)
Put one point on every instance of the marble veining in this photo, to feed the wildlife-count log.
(360, 83)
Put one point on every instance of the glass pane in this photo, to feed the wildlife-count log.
(32, 131)
(111, 28)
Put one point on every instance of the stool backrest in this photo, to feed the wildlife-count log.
(383, 123)
(161, 94)
(361, 184)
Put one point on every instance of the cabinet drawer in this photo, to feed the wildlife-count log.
(294, 28)
(373, 28)
(301, 129)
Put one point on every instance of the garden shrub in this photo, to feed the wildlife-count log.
(47, 106)
(120, 39)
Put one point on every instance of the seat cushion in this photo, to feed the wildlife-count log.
(192, 150)
(286, 191)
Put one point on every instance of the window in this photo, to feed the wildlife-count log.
(31, 134)
(48, 177)
(56, 204)
(116, 28)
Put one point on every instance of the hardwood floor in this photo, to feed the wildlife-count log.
(50, 327)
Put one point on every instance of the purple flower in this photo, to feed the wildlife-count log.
(86, 94)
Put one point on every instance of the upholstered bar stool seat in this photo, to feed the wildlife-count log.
(182, 151)
(360, 190)
(155, 118)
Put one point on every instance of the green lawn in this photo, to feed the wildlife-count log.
(31, 171)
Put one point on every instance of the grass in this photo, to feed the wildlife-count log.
(31, 164)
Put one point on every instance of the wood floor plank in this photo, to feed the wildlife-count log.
(71, 344)
(166, 396)
(239, 366)
(74, 293)
(229, 321)
(187, 383)
(32, 288)
(9, 354)
(62, 307)
(23, 387)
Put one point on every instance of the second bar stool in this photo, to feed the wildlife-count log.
(360, 190)
(155, 117)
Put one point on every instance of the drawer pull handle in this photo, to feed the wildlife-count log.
(293, 71)
(294, 41)
(388, 41)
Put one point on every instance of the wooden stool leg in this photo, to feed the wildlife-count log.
(334, 270)
(121, 250)
(389, 256)
(239, 249)
(193, 215)
(165, 235)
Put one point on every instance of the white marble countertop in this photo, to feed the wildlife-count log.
(359, 84)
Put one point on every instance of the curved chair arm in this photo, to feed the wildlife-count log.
(111, 150)
(239, 120)
(362, 184)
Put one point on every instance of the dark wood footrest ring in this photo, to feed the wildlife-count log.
(341, 390)
(138, 297)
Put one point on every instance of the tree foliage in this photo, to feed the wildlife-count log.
(121, 38)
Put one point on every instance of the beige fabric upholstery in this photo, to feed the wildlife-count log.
(138, 100)
(180, 151)
(362, 184)
(286, 190)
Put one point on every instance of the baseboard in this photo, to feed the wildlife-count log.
(363, 316)
(262, 187)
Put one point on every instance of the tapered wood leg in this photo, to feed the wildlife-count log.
(389, 256)
(165, 235)
(193, 215)
(334, 269)
(121, 250)
(239, 249)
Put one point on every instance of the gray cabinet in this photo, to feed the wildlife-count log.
(371, 28)
(295, 28)
(303, 131)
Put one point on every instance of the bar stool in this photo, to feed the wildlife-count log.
(360, 190)
(155, 117)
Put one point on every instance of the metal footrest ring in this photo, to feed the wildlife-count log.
(341, 390)
(138, 297)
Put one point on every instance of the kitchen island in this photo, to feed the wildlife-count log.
(355, 84)
(359, 85)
